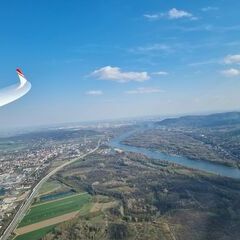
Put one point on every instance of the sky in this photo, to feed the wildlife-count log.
(109, 59)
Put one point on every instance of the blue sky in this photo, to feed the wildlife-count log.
(105, 59)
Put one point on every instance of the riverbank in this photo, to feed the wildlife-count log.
(199, 164)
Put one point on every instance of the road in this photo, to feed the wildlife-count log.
(27, 203)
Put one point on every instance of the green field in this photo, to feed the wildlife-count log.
(56, 208)
(35, 235)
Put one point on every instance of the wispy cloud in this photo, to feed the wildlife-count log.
(116, 74)
(94, 92)
(152, 16)
(194, 28)
(160, 73)
(207, 62)
(171, 14)
(227, 28)
(232, 72)
(232, 59)
(209, 8)
(208, 28)
(144, 91)
(153, 48)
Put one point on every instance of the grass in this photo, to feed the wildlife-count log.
(49, 186)
(35, 235)
(86, 208)
(56, 208)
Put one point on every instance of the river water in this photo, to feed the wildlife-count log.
(184, 161)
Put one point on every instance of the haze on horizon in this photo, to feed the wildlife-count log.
(93, 60)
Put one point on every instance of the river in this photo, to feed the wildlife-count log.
(184, 161)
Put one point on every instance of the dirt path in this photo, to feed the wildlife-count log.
(169, 231)
(103, 206)
(46, 223)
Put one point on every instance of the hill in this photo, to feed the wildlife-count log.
(213, 120)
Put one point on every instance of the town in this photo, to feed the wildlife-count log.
(32, 156)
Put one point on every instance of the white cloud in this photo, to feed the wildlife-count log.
(231, 59)
(116, 74)
(161, 73)
(94, 92)
(171, 14)
(144, 91)
(232, 72)
(175, 14)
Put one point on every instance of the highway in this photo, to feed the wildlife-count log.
(27, 203)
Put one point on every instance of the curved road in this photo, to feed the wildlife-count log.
(26, 204)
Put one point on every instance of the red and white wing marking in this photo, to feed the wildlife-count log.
(21, 76)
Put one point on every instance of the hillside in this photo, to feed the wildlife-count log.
(213, 120)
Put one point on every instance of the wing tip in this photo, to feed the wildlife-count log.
(19, 71)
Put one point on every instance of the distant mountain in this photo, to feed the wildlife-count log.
(213, 120)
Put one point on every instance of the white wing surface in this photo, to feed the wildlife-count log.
(14, 92)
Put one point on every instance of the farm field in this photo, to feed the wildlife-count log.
(35, 235)
(46, 223)
(55, 208)
(35, 228)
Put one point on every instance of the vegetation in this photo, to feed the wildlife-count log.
(214, 120)
(156, 200)
(49, 186)
(56, 208)
(35, 235)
